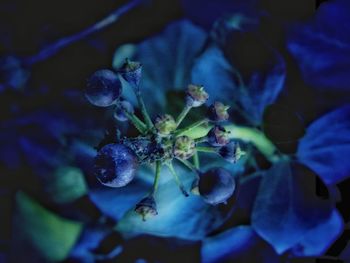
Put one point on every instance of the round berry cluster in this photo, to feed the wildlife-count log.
(162, 140)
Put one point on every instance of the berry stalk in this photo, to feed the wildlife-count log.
(190, 127)
(177, 179)
(206, 149)
(182, 115)
(139, 125)
(156, 177)
(144, 111)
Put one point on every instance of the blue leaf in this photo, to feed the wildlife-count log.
(310, 245)
(167, 60)
(322, 47)
(178, 216)
(229, 74)
(115, 202)
(326, 146)
(252, 95)
(236, 245)
(287, 210)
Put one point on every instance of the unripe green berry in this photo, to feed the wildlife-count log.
(165, 124)
(184, 147)
(218, 112)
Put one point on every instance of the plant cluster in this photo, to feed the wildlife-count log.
(163, 140)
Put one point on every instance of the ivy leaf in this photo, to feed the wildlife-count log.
(310, 245)
(326, 146)
(178, 216)
(39, 231)
(167, 60)
(322, 47)
(115, 202)
(249, 86)
(287, 210)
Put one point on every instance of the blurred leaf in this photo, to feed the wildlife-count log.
(236, 245)
(66, 184)
(283, 127)
(167, 60)
(13, 75)
(322, 47)
(287, 210)
(87, 243)
(326, 146)
(310, 245)
(229, 76)
(52, 237)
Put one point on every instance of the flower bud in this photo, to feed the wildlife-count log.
(218, 136)
(231, 152)
(165, 124)
(184, 147)
(131, 71)
(147, 206)
(196, 96)
(218, 112)
(123, 105)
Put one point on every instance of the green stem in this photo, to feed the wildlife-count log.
(248, 134)
(139, 125)
(206, 149)
(177, 180)
(182, 115)
(156, 178)
(144, 111)
(196, 160)
(190, 127)
(201, 139)
(189, 165)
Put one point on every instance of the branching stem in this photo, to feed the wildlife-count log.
(182, 115)
(177, 179)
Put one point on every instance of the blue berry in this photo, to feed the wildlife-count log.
(115, 165)
(103, 88)
(216, 186)
(123, 105)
